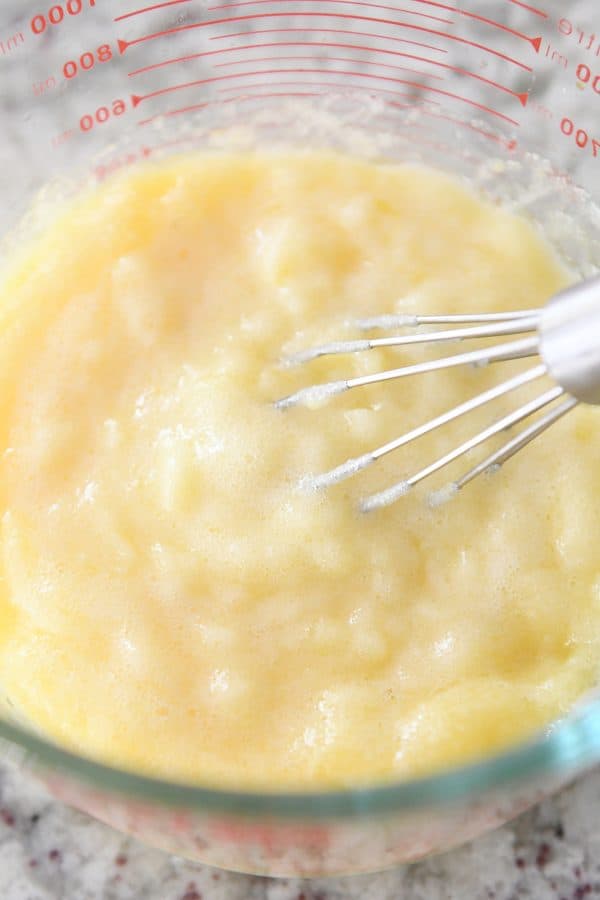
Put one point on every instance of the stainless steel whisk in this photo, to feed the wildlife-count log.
(565, 334)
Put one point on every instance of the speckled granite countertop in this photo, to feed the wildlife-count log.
(49, 852)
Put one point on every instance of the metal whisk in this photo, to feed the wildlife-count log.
(564, 334)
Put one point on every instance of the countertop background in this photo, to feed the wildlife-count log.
(49, 852)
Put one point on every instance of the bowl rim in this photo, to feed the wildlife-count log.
(561, 751)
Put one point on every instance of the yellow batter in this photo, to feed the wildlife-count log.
(170, 601)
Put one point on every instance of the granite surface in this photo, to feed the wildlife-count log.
(49, 852)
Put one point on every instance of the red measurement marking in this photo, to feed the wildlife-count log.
(436, 145)
(175, 112)
(582, 138)
(41, 87)
(531, 9)
(102, 115)
(381, 37)
(326, 86)
(243, 98)
(136, 100)
(177, 142)
(198, 106)
(344, 59)
(454, 9)
(348, 88)
(139, 12)
(509, 144)
(124, 45)
(63, 138)
(320, 84)
(534, 41)
(12, 43)
(396, 9)
(180, 59)
(523, 97)
(247, 97)
(103, 170)
(87, 61)
(188, 109)
(418, 130)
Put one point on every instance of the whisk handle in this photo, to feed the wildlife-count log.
(570, 340)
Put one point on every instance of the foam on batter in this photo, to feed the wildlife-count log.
(346, 470)
(314, 396)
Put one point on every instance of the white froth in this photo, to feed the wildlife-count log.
(491, 470)
(340, 473)
(438, 498)
(400, 320)
(336, 347)
(385, 498)
(314, 396)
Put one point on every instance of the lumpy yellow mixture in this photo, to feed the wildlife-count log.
(171, 601)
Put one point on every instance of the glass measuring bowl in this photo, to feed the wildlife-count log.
(478, 88)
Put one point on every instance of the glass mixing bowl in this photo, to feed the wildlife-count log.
(503, 92)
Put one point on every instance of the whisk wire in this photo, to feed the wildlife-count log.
(352, 466)
(381, 499)
(404, 320)
(513, 326)
(504, 453)
(566, 339)
(318, 394)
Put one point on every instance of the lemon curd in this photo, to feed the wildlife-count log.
(171, 600)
